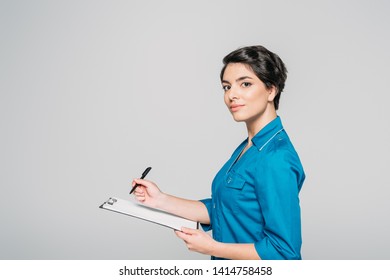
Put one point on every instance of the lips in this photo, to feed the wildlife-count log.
(235, 107)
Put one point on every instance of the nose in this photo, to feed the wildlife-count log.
(233, 94)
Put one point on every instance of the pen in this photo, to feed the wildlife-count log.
(142, 176)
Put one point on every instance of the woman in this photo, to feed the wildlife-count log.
(254, 210)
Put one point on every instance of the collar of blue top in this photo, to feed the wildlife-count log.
(267, 133)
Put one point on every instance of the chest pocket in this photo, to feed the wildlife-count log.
(232, 191)
(234, 181)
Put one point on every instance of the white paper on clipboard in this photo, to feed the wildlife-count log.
(137, 210)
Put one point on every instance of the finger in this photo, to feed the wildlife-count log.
(181, 235)
(139, 191)
(139, 196)
(142, 182)
(189, 230)
(136, 182)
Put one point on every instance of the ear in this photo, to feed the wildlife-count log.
(272, 93)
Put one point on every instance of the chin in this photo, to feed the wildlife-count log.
(238, 119)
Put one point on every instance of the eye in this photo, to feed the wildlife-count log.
(226, 87)
(246, 84)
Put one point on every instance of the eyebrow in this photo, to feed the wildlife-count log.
(237, 80)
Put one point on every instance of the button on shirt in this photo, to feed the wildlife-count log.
(254, 198)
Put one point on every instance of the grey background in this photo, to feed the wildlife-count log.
(92, 92)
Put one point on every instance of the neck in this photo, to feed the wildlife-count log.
(258, 124)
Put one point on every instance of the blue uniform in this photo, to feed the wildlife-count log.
(255, 199)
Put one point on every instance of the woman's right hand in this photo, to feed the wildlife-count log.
(147, 193)
(150, 195)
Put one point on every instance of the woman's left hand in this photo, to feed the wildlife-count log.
(197, 240)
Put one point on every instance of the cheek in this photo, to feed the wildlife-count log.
(226, 99)
(257, 97)
(257, 102)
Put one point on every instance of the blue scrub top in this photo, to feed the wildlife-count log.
(255, 199)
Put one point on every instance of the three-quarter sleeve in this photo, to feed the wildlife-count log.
(278, 181)
(208, 202)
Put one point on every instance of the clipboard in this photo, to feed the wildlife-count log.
(135, 209)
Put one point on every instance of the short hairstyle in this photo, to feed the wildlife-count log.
(267, 66)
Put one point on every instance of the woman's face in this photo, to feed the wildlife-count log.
(246, 96)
